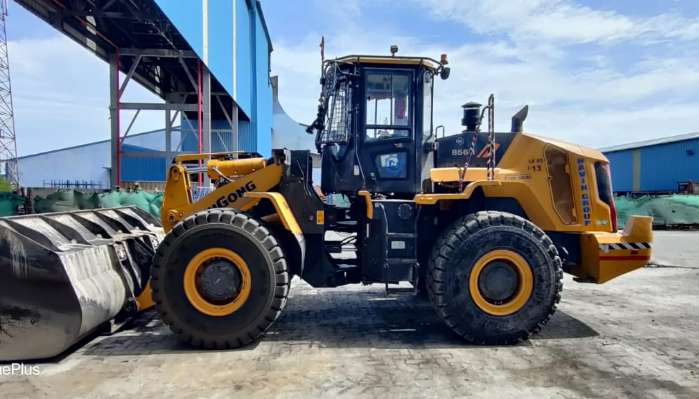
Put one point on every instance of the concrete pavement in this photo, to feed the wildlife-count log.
(635, 337)
(676, 248)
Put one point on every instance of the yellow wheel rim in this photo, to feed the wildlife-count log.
(524, 289)
(191, 289)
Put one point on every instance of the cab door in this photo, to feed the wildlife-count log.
(387, 130)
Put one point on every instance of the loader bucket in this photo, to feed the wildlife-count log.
(62, 275)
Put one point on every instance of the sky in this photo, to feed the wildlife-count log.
(594, 72)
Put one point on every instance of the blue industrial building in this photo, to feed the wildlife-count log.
(88, 165)
(655, 166)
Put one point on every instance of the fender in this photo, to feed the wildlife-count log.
(285, 215)
(178, 202)
(518, 190)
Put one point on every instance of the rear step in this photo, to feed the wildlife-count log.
(62, 275)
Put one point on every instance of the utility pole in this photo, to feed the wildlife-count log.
(8, 141)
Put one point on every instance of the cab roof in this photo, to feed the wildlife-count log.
(389, 60)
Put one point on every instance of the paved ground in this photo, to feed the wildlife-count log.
(637, 336)
(676, 248)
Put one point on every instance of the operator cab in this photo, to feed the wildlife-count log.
(374, 127)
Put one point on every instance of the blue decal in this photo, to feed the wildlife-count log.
(584, 192)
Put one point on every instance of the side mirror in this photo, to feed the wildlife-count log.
(444, 73)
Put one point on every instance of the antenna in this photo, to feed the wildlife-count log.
(8, 141)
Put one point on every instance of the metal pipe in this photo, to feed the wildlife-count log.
(199, 116)
(117, 87)
(206, 115)
(518, 119)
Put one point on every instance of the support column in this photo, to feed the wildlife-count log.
(205, 88)
(636, 170)
(206, 116)
(234, 95)
(234, 127)
(168, 142)
(114, 125)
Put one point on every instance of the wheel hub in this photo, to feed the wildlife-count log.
(219, 281)
(498, 282)
(501, 282)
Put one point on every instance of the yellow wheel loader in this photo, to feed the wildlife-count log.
(483, 223)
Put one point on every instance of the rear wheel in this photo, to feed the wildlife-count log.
(219, 279)
(494, 277)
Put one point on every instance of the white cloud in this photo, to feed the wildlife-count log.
(560, 20)
(606, 127)
(340, 10)
(595, 102)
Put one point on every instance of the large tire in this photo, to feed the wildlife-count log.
(263, 267)
(456, 266)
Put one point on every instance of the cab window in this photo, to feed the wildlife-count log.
(559, 180)
(427, 106)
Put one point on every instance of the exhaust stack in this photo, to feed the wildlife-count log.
(518, 119)
(472, 116)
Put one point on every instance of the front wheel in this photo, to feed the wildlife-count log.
(219, 279)
(494, 278)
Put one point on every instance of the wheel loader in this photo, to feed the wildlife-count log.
(481, 223)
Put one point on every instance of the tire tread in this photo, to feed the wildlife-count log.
(443, 251)
(255, 230)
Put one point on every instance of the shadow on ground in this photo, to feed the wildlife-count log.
(334, 319)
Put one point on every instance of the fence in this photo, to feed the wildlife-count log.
(72, 184)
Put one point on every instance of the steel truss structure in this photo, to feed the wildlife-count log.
(141, 44)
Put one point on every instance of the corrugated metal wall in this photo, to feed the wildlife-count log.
(263, 92)
(89, 163)
(146, 169)
(622, 171)
(657, 168)
(244, 57)
(150, 169)
(252, 90)
(221, 46)
(246, 137)
(86, 164)
(221, 137)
